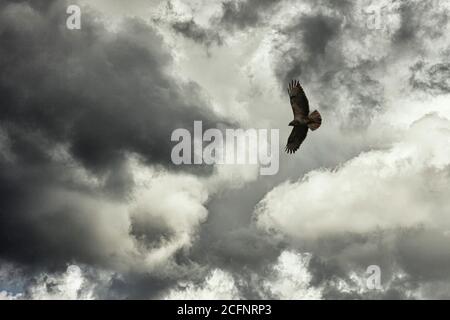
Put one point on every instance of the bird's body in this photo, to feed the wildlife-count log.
(303, 120)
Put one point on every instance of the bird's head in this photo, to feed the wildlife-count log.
(294, 123)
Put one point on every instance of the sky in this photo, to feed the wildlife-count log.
(93, 207)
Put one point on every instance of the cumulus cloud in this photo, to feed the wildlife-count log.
(71, 285)
(370, 191)
(217, 285)
(287, 278)
(382, 207)
(290, 278)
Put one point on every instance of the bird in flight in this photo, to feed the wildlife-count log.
(303, 120)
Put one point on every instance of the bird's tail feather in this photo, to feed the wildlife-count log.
(315, 120)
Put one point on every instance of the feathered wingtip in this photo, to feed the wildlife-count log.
(290, 150)
(293, 84)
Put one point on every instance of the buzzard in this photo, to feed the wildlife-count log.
(303, 120)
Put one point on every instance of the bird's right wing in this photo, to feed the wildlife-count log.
(298, 134)
(299, 102)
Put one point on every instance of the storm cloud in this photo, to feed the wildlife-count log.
(76, 106)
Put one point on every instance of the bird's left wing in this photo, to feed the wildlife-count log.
(298, 134)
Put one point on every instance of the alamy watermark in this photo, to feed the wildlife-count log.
(227, 146)
(73, 21)
(373, 281)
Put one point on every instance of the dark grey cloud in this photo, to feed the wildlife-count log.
(433, 78)
(251, 13)
(242, 14)
(136, 286)
(104, 95)
(235, 15)
(412, 26)
(229, 237)
(309, 38)
(99, 95)
(190, 29)
(424, 254)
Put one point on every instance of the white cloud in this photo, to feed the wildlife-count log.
(290, 278)
(403, 186)
(5, 295)
(71, 285)
(217, 285)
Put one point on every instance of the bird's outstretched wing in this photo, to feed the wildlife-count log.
(299, 102)
(298, 134)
